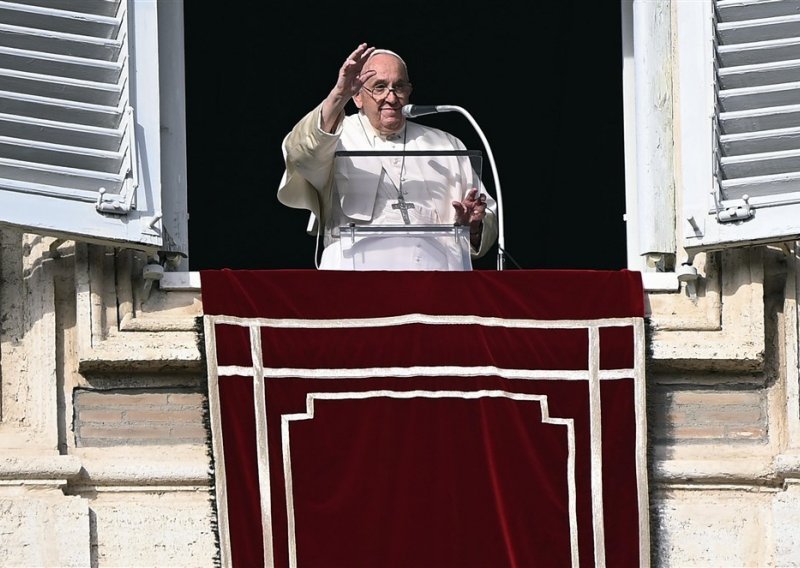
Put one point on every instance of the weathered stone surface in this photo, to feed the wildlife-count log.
(162, 527)
(40, 526)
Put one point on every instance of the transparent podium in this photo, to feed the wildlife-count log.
(400, 232)
(405, 247)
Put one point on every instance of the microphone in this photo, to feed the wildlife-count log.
(411, 111)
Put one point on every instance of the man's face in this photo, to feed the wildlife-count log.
(384, 111)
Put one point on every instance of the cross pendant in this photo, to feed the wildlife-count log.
(403, 207)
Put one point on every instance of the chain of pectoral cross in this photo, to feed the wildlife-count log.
(401, 204)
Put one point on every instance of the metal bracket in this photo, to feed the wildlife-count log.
(687, 274)
(112, 204)
(736, 210)
(698, 232)
(152, 272)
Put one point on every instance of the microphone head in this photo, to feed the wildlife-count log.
(411, 111)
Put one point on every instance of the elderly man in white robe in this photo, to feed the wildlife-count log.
(383, 190)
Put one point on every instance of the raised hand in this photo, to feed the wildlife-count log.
(350, 78)
(348, 83)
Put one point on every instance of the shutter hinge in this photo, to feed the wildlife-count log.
(735, 210)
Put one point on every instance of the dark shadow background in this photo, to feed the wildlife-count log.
(543, 81)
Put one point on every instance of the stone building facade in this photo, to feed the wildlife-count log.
(104, 453)
(104, 458)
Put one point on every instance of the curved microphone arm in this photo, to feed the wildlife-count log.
(411, 111)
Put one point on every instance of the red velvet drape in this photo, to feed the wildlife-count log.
(430, 418)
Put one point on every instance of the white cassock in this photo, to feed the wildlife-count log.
(367, 190)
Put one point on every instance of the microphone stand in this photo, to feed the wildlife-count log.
(409, 111)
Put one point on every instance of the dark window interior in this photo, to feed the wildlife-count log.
(542, 80)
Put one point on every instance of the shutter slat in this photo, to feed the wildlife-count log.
(31, 39)
(61, 133)
(60, 110)
(758, 119)
(61, 66)
(760, 142)
(739, 10)
(90, 92)
(57, 176)
(764, 188)
(760, 74)
(60, 155)
(759, 52)
(65, 21)
(99, 7)
(765, 29)
(767, 163)
(750, 98)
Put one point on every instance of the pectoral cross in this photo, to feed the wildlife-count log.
(403, 207)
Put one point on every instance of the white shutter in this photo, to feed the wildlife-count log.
(754, 191)
(69, 122)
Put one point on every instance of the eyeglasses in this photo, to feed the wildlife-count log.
(381, 91)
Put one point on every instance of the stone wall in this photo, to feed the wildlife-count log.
(104, 459)
(103, 435)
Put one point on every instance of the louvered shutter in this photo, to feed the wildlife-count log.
(70, 125)
(754, 193)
